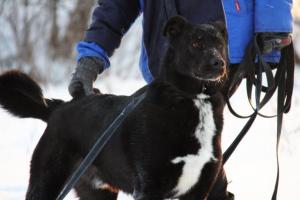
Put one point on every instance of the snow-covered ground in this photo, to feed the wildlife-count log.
(251, 170)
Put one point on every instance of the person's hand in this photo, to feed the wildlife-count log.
(270, 40)
(85, 74)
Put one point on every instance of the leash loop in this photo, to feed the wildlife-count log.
(252, 68)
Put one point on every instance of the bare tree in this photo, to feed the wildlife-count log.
(20, 25)
(39, 38)
(36, 34)
(78, 21)
(54, 30)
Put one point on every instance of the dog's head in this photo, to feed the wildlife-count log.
(199, 51)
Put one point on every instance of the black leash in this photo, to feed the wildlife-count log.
(252, 68)
(100, 144)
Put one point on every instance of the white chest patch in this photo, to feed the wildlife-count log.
(194, 163)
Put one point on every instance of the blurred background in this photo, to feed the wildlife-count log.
(38, 37)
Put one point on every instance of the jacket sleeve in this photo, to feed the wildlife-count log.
(110, 21)
(273, 16)
(91, 49)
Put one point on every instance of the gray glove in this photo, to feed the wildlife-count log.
(85, 74)
(270, 40)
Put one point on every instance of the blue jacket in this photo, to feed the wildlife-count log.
(246, 17)
(112, 19)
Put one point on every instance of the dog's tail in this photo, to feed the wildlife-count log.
(23, 97)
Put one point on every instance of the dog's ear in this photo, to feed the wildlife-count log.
(174, 26)
(221, 27)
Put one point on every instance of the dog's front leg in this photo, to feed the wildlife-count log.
(193, 197)
(147, 189)
(151, 195)
(195, 194)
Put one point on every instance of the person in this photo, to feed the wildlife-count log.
(270, 20)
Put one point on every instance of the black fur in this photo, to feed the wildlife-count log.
(138, 157)
(21, 96)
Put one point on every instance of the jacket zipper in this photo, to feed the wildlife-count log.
(237, 5)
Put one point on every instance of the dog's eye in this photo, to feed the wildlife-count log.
(196, 41)
(196, 44)
(220, 46)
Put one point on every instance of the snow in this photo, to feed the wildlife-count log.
(251, 170)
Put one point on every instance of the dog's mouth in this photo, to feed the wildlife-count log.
(215, 75)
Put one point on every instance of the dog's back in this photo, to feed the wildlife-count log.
(79, 121)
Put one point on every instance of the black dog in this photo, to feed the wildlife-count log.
(168, 147)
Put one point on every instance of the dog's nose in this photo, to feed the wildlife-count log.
(217, 62)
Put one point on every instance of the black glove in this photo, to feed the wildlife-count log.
(85, 74)
(269, 41)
